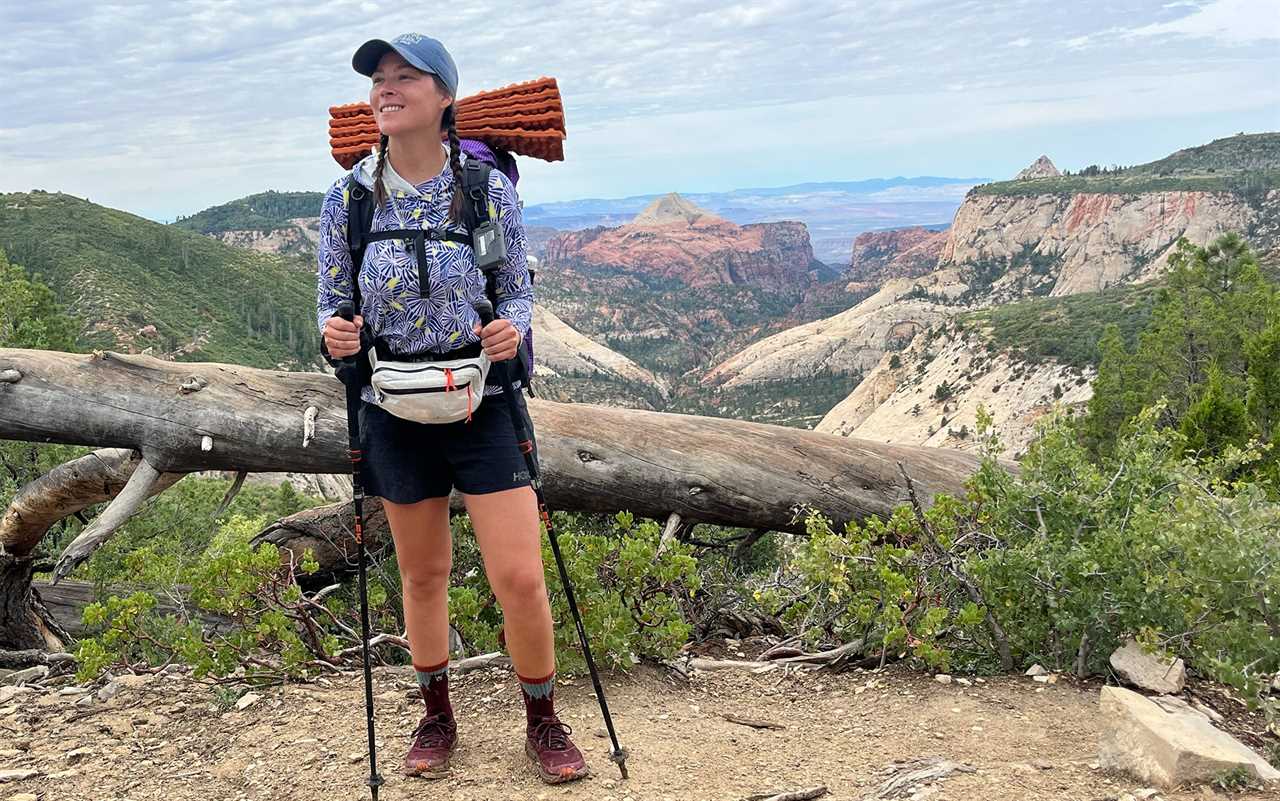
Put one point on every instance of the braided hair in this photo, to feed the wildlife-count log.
(380, 191)
(456, 208)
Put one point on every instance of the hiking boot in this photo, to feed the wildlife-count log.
(432, 746)
(556, 757)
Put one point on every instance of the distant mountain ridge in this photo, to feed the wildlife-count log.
(834, 211)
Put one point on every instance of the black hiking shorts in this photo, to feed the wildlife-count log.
(406, 461)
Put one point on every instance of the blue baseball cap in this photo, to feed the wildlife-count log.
(423, 52)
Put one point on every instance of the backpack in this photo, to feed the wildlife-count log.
(475, 186)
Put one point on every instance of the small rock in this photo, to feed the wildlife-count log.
(133, 682)
(66, 691)
(1043, 678)
(1041, 764)
(1146, 792)
(18, 774)
(84, 701)
(78, 755)
(964, 682)
(601, 733)
(109, 690)
(7, 694)
(24, 797)
(1148, 671)
(34, 673)
(608, 784)
(247, 700)
(942, 678)
(1037, 670)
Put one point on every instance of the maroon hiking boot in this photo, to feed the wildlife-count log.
(556, 757)
(432, 746)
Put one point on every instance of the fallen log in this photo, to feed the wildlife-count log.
(186, 417)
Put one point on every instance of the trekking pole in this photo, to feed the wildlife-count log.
(349, 374)
(618, 754)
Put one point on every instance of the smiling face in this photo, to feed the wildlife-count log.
(405, 99)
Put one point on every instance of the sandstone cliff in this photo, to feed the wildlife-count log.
(301, 236)
(850, 342)
(879, 256)
(561, 351)
(1087, 242)
(674, 240)
(904, 403)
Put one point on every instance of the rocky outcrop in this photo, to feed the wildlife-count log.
(671, 208)
(1165, 742)
(562, 351)
(1040, 168)
(1087, 242)
(850, 342)
(930, 393)
(675, 240)
(879, 256)
(301, 236)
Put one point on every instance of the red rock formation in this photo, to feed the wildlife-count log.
(879, 256)
(696, 249)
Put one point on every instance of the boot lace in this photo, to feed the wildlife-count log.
(551, 733)
(434, 731)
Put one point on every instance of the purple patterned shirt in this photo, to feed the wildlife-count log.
(392, 303)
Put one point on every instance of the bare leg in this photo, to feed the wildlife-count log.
(508, 533)
(424, 553)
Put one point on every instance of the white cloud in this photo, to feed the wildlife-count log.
(1231, 22)
(168, 106)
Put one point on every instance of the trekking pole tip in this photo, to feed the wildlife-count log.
(620, 756)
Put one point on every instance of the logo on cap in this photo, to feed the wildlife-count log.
(408, 38)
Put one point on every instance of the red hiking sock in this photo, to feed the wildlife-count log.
(433, 682)
(539, 696)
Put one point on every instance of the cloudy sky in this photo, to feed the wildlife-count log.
(167, 107)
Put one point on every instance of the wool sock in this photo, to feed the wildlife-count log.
(433, 682)
(538, 696)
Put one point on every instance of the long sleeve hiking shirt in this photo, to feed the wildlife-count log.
(392, 303)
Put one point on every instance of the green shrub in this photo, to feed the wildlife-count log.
(628, 592)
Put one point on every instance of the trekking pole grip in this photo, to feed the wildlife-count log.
(485, 309)
(347, 311)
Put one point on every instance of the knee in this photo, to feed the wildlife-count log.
(425, 577)
(519, 586)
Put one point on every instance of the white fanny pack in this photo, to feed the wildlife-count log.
(430, 392)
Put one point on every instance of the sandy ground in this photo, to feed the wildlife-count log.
(171, 739)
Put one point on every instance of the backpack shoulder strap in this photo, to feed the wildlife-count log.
(359, 221)
(475, 187)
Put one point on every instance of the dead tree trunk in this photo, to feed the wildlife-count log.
(25, 622)
(184, 417)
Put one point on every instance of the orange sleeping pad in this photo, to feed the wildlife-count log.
(524, 118)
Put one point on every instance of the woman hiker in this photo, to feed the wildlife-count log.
(414, 180)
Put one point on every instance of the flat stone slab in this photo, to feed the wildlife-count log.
(1169, 744)
(1148, 671)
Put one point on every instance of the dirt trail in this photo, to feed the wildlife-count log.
(170, 739)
